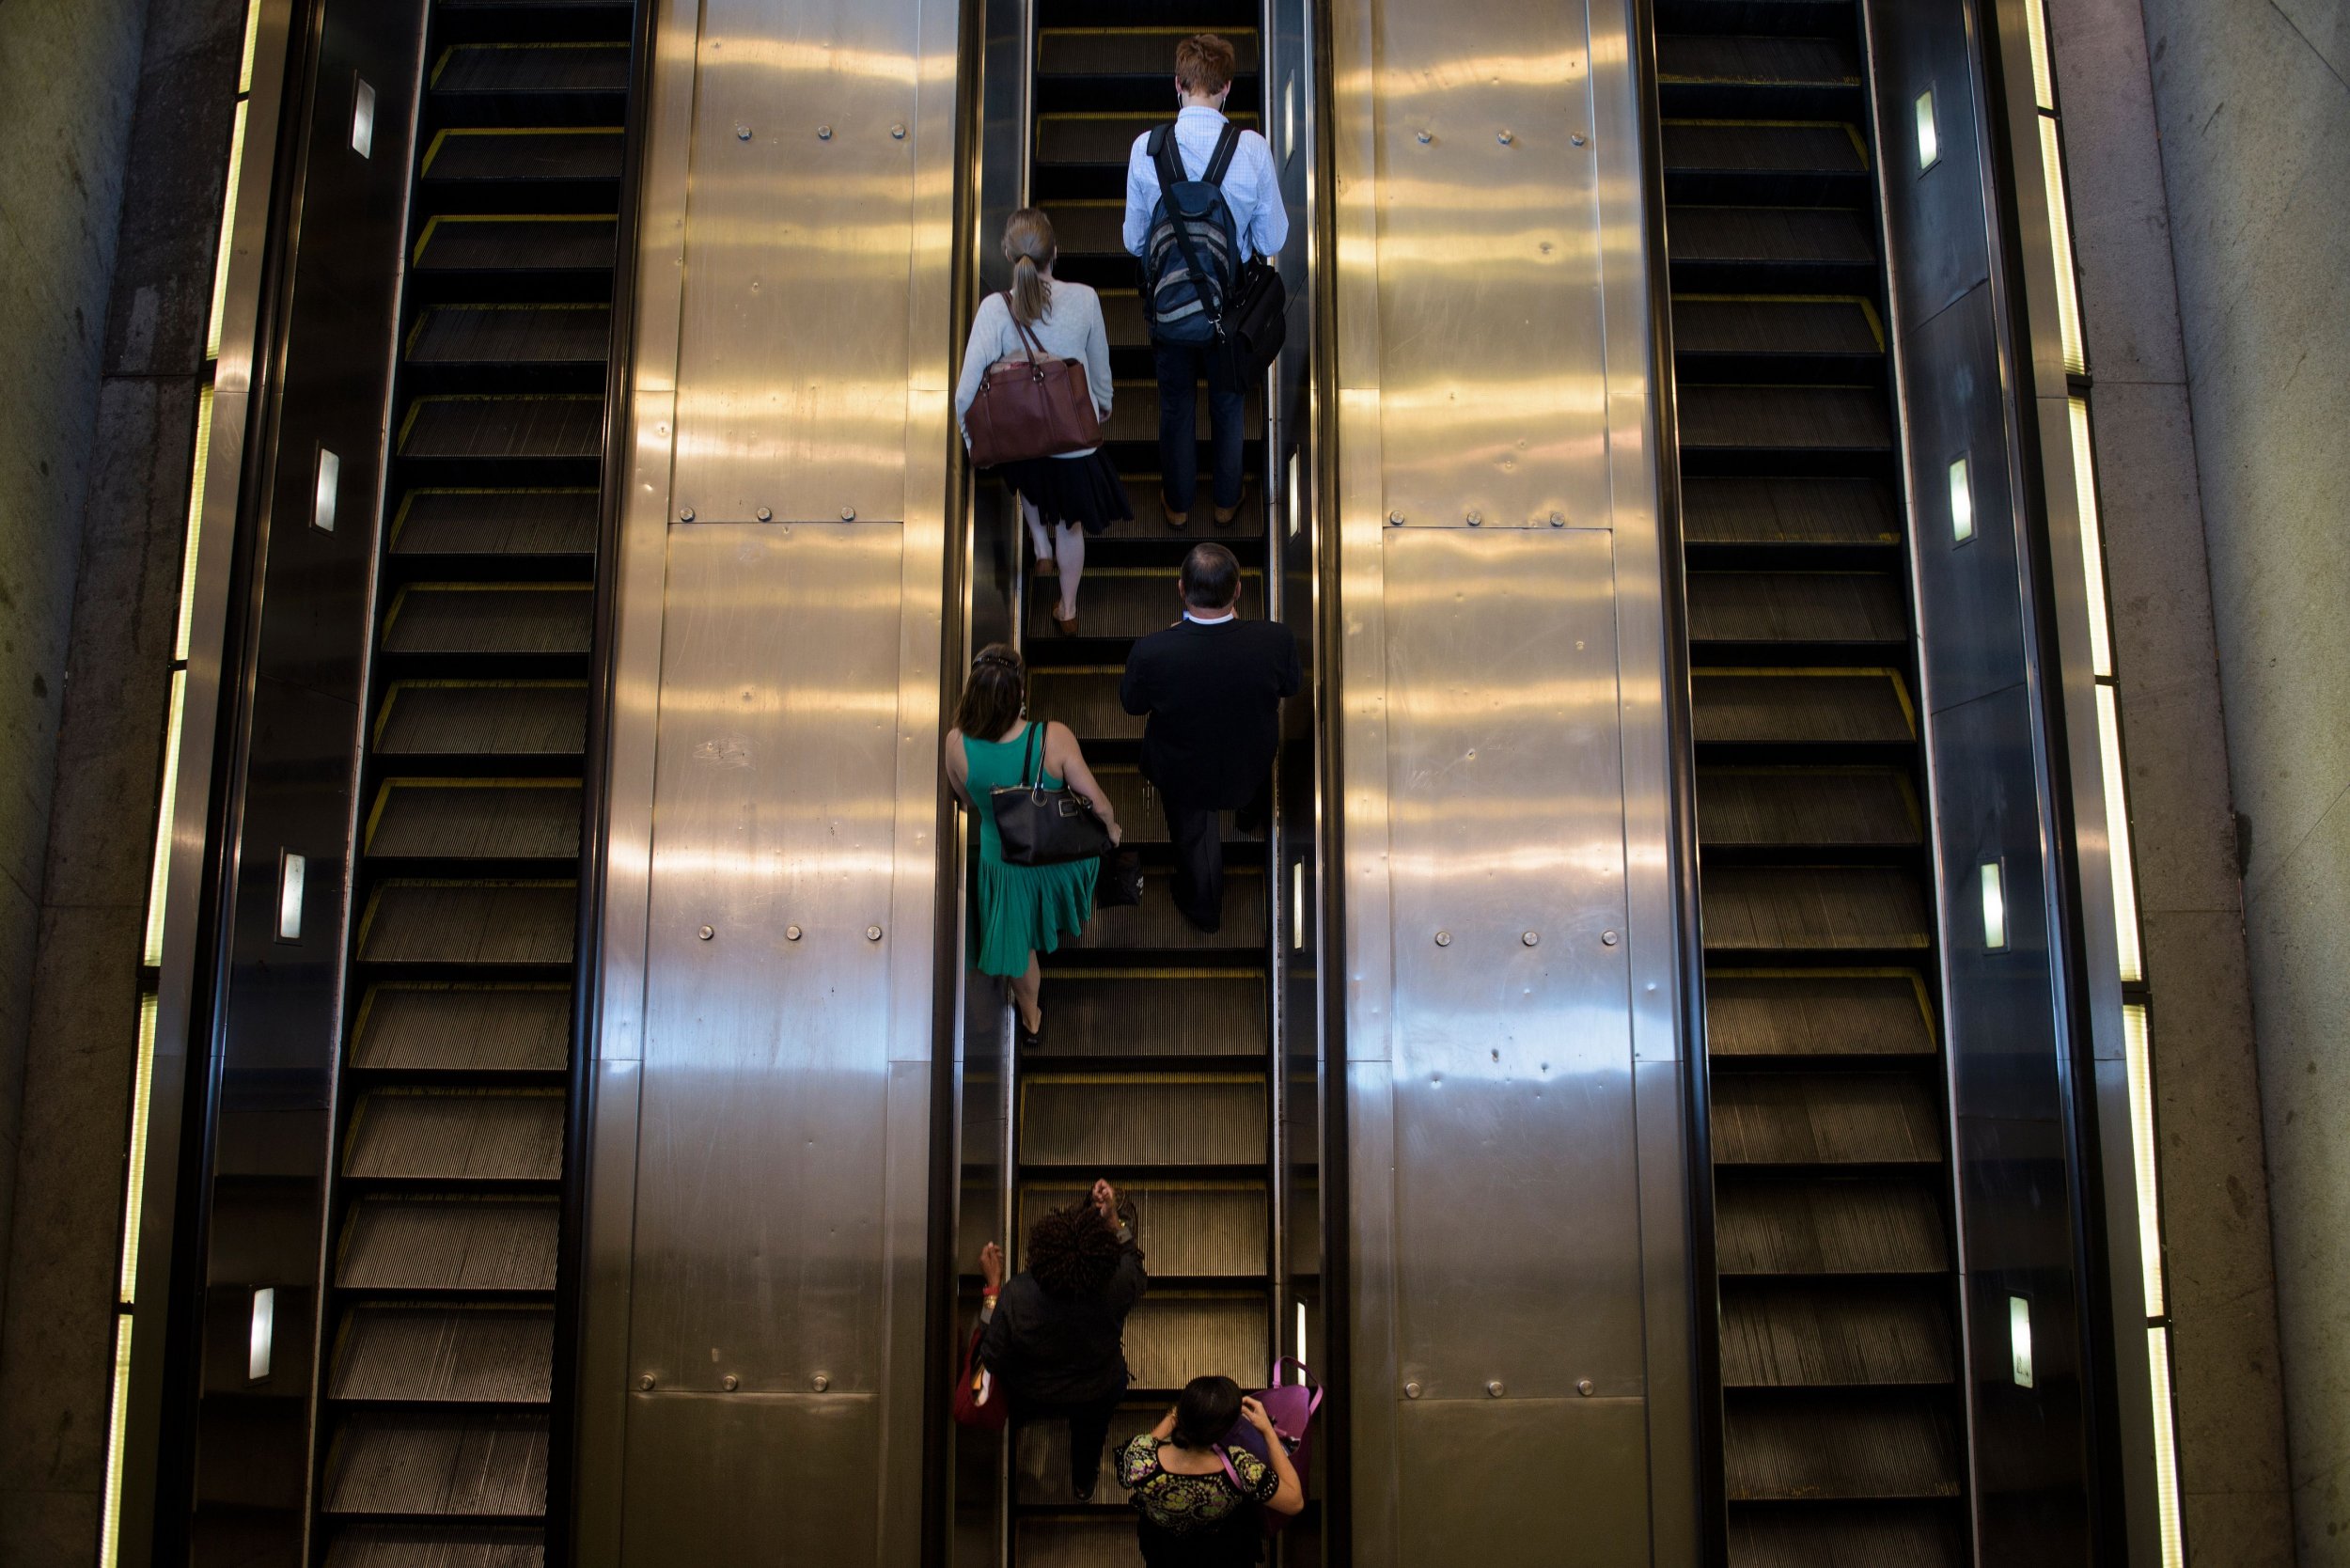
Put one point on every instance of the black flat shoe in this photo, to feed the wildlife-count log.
(1029, 1038)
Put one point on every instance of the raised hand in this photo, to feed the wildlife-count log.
(992, 1265)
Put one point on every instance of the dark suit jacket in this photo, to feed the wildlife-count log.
(1214, 694)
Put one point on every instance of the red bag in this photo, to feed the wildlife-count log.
(980, 1402)
(1037, 407)
(1290, 1407)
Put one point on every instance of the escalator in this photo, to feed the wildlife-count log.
(1842, 1436)
(1153, 1065)
(440, 1319)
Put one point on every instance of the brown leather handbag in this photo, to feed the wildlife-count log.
(1036, 407)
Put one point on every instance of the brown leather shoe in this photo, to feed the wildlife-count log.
(1174, 519)
(1224, 516)
(1066, 628)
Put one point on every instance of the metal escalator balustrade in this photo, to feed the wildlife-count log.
(1153, 1068)
(1842, 1435)
(441, 1330)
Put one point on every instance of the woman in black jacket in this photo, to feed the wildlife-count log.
(1055, 1334)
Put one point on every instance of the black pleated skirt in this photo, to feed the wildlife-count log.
(1083, 491)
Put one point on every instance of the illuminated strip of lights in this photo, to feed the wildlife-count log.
(2166, 1448)
(2132, 959)
(2043, 76)
(2139, 1063)
(196, 522)
(142, 1085)
(2060, 242)
(2092, 539)
(117, 1422)
(159, 874)
(228, 236)
(251, 36)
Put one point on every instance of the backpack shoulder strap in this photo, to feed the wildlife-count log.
(1166, 157)
(1226, 145)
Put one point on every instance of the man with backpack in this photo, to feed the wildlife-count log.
(1202, 197)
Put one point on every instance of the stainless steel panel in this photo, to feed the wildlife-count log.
(1513, 1068)
(1579, 1458)
(752, 1478)
(800, 238)
(761, 1174)
(1937, 240)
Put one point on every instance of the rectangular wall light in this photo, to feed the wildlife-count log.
(330, 479)
(1993, 881)
(2019, 1340)
(362, 116)
(261, 1334)
(1962, 503)
(292, 870)
(1929, 137)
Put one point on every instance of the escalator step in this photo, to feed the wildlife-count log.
(440, 1028)
(456, 242)
(465, 718)
(1177, 1336)
(1085, 698)
(1760, 61)
(1739, 509)
(492, 334)
(1039, 1476)
(406, 1547)
(1121, 315)
(1715, 325)
(539, 156)
(481, 617)
(508, 523)
(1824, 1015)
(1772, 236)
(435, 923)
(536, 68)
(1187, 1229)
(1101, 139)
(1860, 1447)
(1801, 707)
(1796, 606)
(1759, 18)
(1802, 806)
(1104, 1542)
(1157, 925)
(1147, 52)
(1140, 819)
(418, 1464)
(1135, 415)
(1803, 1336)
(1094, 228)
(503, 819)
(1149, 520)
(1759, 150)
(480, 1136)
(450, 1243)
(1132, 601)
(1813, 909)
(1148, 1015)
(1828, 1226)
(1825, 1118)
(504, 427)
(440, 1355)
(1850, 1537)
(1093, 1120)
(1784, 420)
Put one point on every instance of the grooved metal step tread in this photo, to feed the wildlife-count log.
(501, 523)
(1759, 18)
(1828, 1226)
(1806, 707)
(1148, 522)
(483, 923)
(409, 1546)
(499, 244)
(481, 617)
(470, 718)
(1177, 1336)
(1813, 909)
(440, 1028)
(1816, 1014)
(1152, 1015)
(1774, 807)
(1772, 236)
(1157, 925)
(1092, 228)
(1040, 1475)
(1825, 1118)
(585, 153)
(1796, 606)
(448, 1244)
(456, 1136)
(1099, 1120)
(1711, 323)
(1915, 1535)
(1140, 819)
(1864, 1448)
(532, 67)
(428, 1462)
(1792, 1335)
(488, 427)
(503, 819)
(1085, 698)
(1103, 138)
(1134, 416)
(1104, 1542)
(1127, 51)
(1131, 602)
(1738, 510)
(1762, 148)
(445, 1355)
(1841, 419)
(512, 334)
(1756, 61)
(1186, 1228)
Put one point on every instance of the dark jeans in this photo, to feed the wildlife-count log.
(1180, 370)
(1089, 1432)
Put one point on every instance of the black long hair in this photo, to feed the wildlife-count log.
(994, 694)
(1073, 1252)
(1205, 1413)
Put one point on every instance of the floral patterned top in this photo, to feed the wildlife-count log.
(1184, 1504)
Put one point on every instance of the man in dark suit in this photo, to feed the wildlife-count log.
(1212, 685)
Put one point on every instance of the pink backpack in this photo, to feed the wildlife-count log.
(1292, 1407)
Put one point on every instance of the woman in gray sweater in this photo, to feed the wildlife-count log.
(1066, 498)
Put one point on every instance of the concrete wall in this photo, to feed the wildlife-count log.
(115, 121)
(2254, 116)
(2231, 1449)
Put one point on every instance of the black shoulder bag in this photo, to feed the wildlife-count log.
(1045, 827)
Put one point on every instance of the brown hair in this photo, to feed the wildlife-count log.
(1029, 246)
(994, 694)
(1205, 64)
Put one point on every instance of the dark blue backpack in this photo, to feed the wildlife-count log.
(1192, 255)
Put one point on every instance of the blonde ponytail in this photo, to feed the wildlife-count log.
(1029, 246)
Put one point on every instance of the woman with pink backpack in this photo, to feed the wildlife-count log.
(1199, 1499)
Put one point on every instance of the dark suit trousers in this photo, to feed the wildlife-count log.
(1198, 841)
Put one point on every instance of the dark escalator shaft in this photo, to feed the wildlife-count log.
(439, 1366)
(1840, 1356)
(1153, 1066)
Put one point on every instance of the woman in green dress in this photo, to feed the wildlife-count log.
(1020, 911)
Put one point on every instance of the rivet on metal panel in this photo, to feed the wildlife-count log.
(1425, 139)
(1578, 138)
(1411, 1390)
(709, 931)
(1583, 1387)
(1505, 138)
(898, 132)
(824, 133)
(1557, 519)
(1476, 519)
(645, 1383)
(848, 514)
(1395, 520)
(742, 132)
(1494, 1388)
(820, 1382)
(1443, 939)
(1532, 939)
(1607, 938)
(685, 514)
(766, 514)
(873, 933)
(730, 1383)
(791, 934)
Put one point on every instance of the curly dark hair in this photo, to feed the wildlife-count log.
(1072, 1252)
